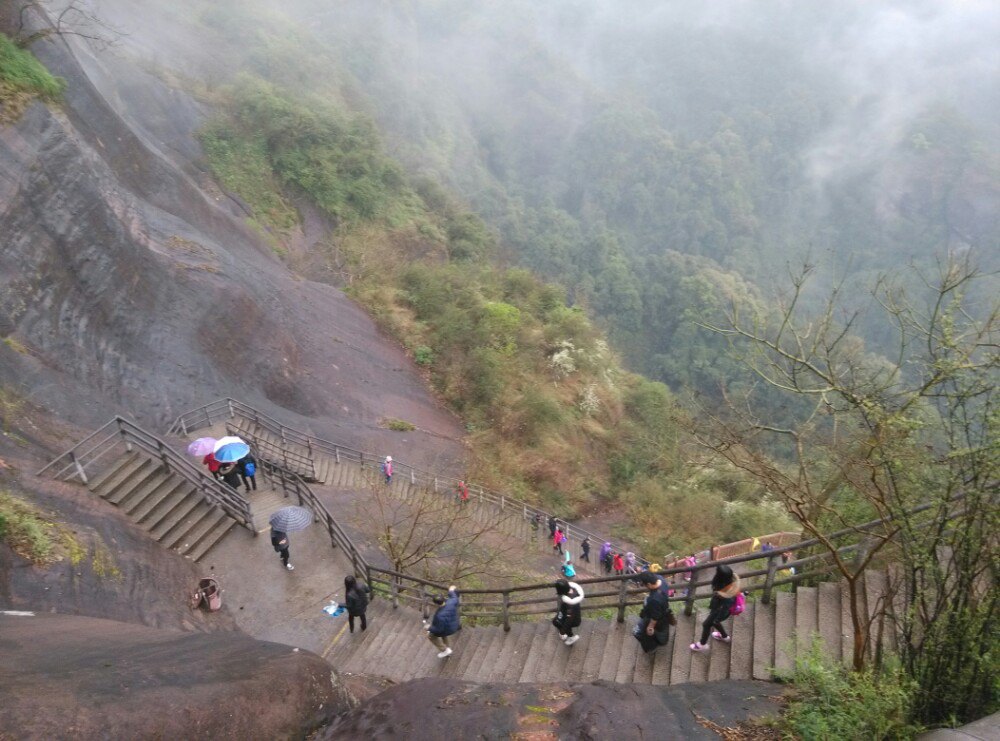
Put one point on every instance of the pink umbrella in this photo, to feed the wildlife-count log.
(202, 446)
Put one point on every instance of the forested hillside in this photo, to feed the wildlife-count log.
(653, 176)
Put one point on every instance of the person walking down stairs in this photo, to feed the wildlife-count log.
(558, 539)
(356, 600)
(230, 473)
(446, 621)
(387, 469)
(585, 549)
(568, 612)
(656, 616)
(280, 542)
(725, 590)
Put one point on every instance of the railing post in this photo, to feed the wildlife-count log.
(163, 456)
(232, 412)
(312, 459)
(435, 484)
(622, 596)
(501, 502)
(184, 427)
(79, 469)
(368, 579)
(413, 478)
(336, 453)
(506, 612)
(772, 569)
(121, 430)
(394, 591)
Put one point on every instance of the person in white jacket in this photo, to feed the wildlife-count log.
(568, 615)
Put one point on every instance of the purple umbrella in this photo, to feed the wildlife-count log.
(202, 446)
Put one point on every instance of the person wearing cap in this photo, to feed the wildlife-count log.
(656, 616)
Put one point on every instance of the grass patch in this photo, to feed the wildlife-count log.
(398, 425)
(22, 78)
(24, 529)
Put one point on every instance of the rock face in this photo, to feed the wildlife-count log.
(131, 284)
(75, 677)
(445, 708)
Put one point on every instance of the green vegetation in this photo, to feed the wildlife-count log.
(26, 531)
(398, 425)
(22, 78)
(830, 702)
(555, 417)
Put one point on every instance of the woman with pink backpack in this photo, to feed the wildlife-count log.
(727, 599)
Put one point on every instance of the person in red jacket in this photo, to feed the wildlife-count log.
(619, 563)
(213, 465)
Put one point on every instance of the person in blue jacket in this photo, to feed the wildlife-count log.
(446, 621)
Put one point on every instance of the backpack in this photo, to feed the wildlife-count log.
(739, 604)
(249, 469)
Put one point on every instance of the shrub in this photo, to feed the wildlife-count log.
(423, 355)
(23, 529)
(399, 425)
(831, 702)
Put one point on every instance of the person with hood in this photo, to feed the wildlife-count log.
(618, 562)
(656, 616)
(585, 549)
(725, 589)
(568, 613)
(213, 465)
(446, 621)
(630, 563)
(356, 601)
(387, 469)
(605, 556)
(552, 526)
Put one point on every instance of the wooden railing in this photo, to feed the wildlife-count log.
(293, 459)
(761, 572)
(83, 459)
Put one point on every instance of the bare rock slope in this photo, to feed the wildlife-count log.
(128, 284)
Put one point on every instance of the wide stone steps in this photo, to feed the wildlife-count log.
(395, 645)
(165, 505)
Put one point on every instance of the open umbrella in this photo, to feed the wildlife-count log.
(291, 519)
(223, 441)
(202, 446)
(231, 452)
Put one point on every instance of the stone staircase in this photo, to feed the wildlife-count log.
(765, 637)
(167, 506)
(347, 474)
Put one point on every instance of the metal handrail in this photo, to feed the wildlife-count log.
(75, 462)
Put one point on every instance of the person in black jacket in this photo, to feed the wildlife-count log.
(356, 601)
(280, 542)
(656, 616)
(230, 473)
(568, 610)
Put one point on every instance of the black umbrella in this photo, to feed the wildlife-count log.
(291, 519)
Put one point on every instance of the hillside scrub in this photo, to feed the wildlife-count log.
(23, 78)
(552, 415)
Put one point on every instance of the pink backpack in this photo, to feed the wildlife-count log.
(739, 605)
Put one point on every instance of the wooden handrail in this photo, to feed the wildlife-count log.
(503, 607)
(123, 431)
